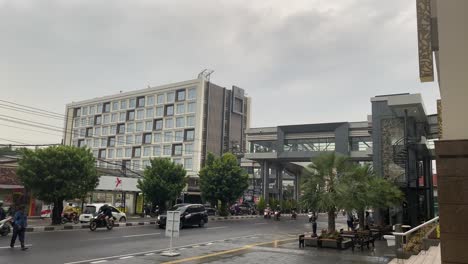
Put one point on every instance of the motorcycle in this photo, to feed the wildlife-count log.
(267, 214)
(100, 221)
(294, 215)
(277, 215)
(5, 226)
(71, 217)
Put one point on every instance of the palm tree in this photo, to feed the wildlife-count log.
(321, 179)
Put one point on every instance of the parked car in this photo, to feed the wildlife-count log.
(190, 215)
(91, 211)
(243, 209)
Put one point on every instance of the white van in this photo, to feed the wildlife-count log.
(91, 211)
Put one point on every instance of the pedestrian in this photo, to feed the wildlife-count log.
(350, 221)
(2, 212)
(314, 225)
(369, 220)
(20, 222)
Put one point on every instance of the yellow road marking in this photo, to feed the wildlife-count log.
(275, 242)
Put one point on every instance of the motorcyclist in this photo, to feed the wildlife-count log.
(106, 211)
(2, 212)
(69, 210)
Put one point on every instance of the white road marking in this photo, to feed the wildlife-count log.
(195, 246)
(28, 245)
(209, 244)
(182, 248)
(219, 227)
(149, 254)
(146, 252)
(150, 234)
(99, 261)
(127, 257)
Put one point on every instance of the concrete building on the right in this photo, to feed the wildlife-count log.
(443, 38)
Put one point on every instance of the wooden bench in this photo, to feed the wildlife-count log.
(359, 238)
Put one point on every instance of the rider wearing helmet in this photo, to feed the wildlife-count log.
(106, 211)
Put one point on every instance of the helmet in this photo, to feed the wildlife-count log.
(70, 204)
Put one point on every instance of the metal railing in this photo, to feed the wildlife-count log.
(401, 237)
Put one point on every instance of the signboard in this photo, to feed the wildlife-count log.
(139, 205)
(172, 224)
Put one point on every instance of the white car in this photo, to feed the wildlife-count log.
(91, 210)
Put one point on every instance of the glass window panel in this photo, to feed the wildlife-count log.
(120, 140)
(181, 95)
(167, 150)
(147, 151)
(157, 151)
(110, 153)
(113, 129)
(192, 93)
(128, 152)
(141, 114)
(149, 113)
(139, 127)
(170, 97)
(132, 103)
(83, 121)
(121, 128)
(129, 139)
(159, 111)
(157, 137)
(122, 117)
(177, 150)
(160, 99)
(106, 119)
(141, 101)
(188, 149)
(169, 123)
(169, 110)
(97, 131)
(115, 106)
(148, 125)
(96, 142)
(179, 135)
(114, 118)
(123, 104)
(130, 127)
(168, 137)
(147, 138)
(131, 115)
(84, 110)
(180, 122)
(158, 124)
(99, 108)
(191, 107)
(136, 152)
(180, 109)
(189, 135)
(150, 100)
(103, 142)
(146, 163)
(188, 164)
(177, 161)
(92, 110)
(190, 121)
(119, 153)
(138, 139)
(105, 131)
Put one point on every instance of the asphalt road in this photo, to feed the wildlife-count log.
(84, 246)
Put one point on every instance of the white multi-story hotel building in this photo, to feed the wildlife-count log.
(182, 121)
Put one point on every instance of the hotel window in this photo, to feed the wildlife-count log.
(110, 153)
(138, 139)
(77, 112)
(191, 107)
(168, 137)
(131, 115)
(113, 130)
(159, 111)
(147, 138)
(77, 122)
(177, 150)
(169, 123)
(190, 121)
(157, 151)
(177, 161)
(81, 143)
(119, 153)
(96, 143)
(150, 113)
(105, 119)
(105, 131)
(136, 152)
(84, 111)
(123, 104)
(158, 124)
(148, 125)
(192, 94)
(122, 117)
(146, 163)
(169, 110)
(147, 151)
(132, 103)
(179, 136)
(103, 142)
(167, 150)
(96, 153)
(102, 153)
(99, 108)
(111, 142)
(82, 132)
(157, 137)
(106, 107)
(89, 132)
(180, 95)
(188, 164)
(180, 109)
(97, 131)
(121, 129)
(170, 97)
(128, 152)
(150, 100)
(90, 121)
(139, 127)
(180, 122)
(115, 106)
(92, 110)
(130, 127)
(120, 140)
(140, 101)
(89, 142)
(97, 120)
(188, 149)
(189, 135)
(160, 99)
(141, 114)
(83, 121)
(136, 164)
(114, 117)
(129, 140)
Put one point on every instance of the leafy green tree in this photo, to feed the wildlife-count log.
(321, 179)
(223, 180)
(162, 182)
(362, 189)
(58, 173)
(261, 205)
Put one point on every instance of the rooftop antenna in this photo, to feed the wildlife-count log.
(205, 74)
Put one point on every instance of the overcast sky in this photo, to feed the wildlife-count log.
(301, 61)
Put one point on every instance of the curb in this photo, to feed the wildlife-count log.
(85, 226)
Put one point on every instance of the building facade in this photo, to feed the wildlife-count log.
(182, 121)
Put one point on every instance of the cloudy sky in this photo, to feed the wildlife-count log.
(302, 61)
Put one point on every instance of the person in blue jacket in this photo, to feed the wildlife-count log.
(20, 222)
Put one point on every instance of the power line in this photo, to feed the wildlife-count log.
(31, 130)
(27, 111)
(34, 108)
(9, 140)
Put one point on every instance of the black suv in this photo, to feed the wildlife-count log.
(190, 215)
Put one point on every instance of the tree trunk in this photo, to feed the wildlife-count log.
(223, 209)
(331, 220)
(57, 212)
(361, 219)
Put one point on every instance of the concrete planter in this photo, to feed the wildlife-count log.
(330, 243)
(311, 242)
